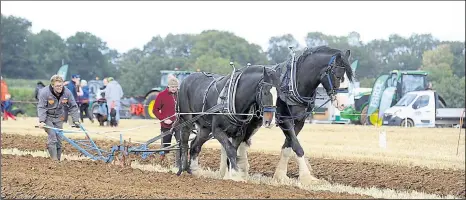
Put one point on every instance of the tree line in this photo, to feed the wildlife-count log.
(39, 55)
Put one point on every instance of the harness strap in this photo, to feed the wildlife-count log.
(205, 94)
(290, 77)
(228, 96)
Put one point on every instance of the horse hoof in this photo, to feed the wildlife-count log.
(189, 171)
(309, 180)
(179, 172)
(281, 178)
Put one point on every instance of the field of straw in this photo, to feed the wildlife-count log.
(416, 163)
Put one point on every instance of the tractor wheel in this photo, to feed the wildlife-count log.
(94, 108)
(149, 105)
(364, 119)
(409, 121)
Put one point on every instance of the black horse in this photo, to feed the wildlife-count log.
(245, 94)
(298, 84)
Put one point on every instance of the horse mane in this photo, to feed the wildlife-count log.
(326, 49)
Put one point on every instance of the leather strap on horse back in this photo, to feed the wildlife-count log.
(286, 94)
(227, 97)
(207, 92)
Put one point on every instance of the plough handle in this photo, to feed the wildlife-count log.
(74, 126)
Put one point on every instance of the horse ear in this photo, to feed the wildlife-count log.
(268, 75)
(265, 74)
(347, 54)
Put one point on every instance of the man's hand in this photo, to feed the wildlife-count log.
(168, 121)
(42, 124)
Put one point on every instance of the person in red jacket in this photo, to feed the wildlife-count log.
(164, 109)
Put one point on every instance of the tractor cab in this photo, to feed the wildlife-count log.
(180, 75)
(407, 81)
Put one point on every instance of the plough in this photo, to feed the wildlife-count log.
(90, 149)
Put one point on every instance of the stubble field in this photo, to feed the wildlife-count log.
(417, 163)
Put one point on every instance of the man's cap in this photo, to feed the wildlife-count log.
(75, 76)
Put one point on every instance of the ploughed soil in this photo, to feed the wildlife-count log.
(356, 174)
(37, 177)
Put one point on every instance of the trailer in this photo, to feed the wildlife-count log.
(423, 109)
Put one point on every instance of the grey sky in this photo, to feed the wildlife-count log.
(127, 24)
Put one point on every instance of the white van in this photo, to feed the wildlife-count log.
(422, 109)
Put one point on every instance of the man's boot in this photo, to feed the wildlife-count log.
(52, 148)
(59, 154)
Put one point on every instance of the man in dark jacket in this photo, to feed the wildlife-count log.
(51, 108)
(39, 86)
(164, 110)
(73, 86)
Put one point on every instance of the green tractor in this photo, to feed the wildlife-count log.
(150, 96)
(387, 91)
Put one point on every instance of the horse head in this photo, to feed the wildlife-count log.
(328, 67)
(267, 96)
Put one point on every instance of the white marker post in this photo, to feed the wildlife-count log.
(383, 140)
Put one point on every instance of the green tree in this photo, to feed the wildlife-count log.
(278, 50)
(15, 53)
(47, 51)
(137, 72)
(213, 63)
(228, 46)
(458, 50)
(178, 45)
(89, 56)
(438, 63)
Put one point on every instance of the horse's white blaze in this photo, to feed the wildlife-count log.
(341, 100)
(280, 172)
(273, 91)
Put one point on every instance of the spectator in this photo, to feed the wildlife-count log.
(164, 109)
(429, 86)
(113, 95)
(7, 109)
(3, 89)
(73, 86)
(39, 86)
(83, 96)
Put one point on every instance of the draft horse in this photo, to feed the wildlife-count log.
(298, 81)
(244, 101)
